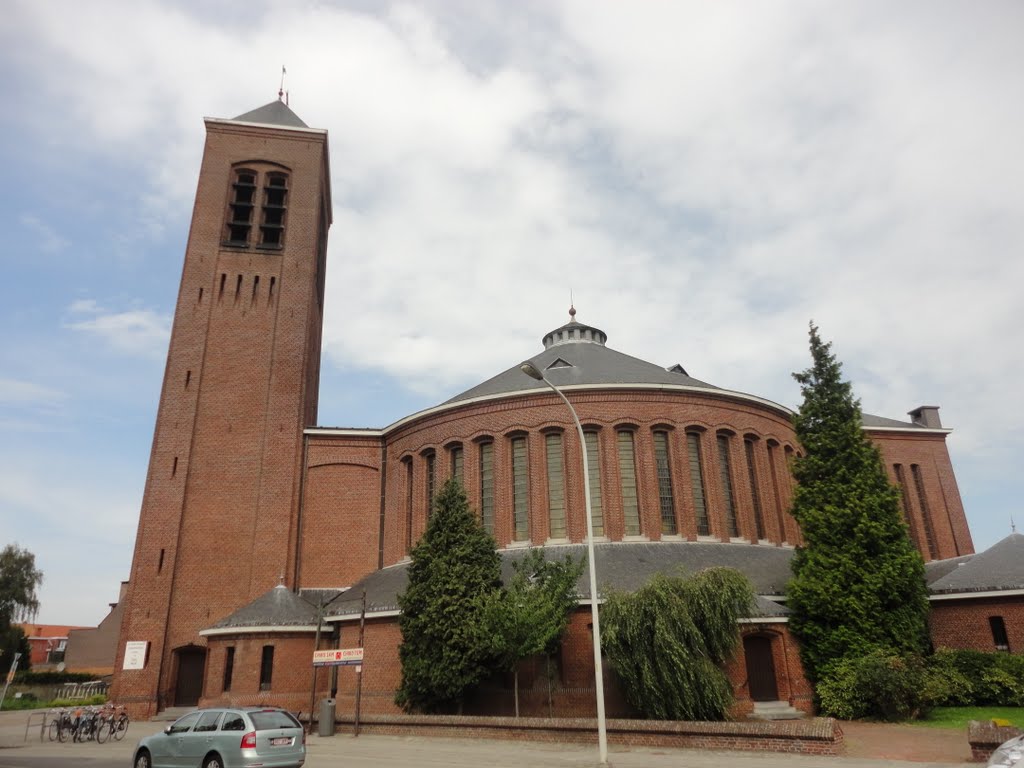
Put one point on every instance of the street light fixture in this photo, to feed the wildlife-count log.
(534, 372)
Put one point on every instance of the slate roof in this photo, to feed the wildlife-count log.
(589, 362)
(624, 566)
(998, 568)
(881, 421)
(274, 113)
(280, 607)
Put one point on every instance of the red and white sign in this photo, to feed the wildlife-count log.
(338, 657)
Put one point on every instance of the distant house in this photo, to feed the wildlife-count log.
(93, 649)
(48, 642)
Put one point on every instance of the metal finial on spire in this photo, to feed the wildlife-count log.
(280, 90)
(1013, 525)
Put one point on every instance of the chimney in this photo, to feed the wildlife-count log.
(926, 416)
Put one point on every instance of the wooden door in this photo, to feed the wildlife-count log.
(760, 668)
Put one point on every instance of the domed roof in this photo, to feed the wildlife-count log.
(575, 354)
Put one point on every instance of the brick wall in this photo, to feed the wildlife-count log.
(947, 522)
(965, 623)
(820, 736)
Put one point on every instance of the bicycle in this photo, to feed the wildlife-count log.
(113, 723)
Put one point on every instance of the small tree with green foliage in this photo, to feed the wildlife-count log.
(530, 614)
(858, 582)
(668, 641)
(13, 641)
(455, 569)
(19, 601)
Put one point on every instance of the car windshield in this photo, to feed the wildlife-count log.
(273, 718)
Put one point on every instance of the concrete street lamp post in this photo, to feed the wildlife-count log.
(602, 735)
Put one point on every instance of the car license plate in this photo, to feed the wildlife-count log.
(281, 741)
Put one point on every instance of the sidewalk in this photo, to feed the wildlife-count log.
(399, 752)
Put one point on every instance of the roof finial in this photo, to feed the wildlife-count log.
(1013, 525)
(280, 90)
(572, 308)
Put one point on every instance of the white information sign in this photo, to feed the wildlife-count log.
(338, 657)
(135, 654)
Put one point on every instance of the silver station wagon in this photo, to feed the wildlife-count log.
(226, 738)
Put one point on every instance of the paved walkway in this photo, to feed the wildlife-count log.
(869, 746)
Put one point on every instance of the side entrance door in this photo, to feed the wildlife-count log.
(191, 662)
(760, 668)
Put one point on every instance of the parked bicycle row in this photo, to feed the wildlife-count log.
(78, 724)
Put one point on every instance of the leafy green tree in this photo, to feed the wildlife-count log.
(455, 569)
(530, 614)
(13, 641)
(19, 585)
(858, 582)
(668, 640)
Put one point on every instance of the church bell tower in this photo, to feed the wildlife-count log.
(220, 512)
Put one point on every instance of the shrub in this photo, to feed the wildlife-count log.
(976, 678)
(879, 685)
(52, 678)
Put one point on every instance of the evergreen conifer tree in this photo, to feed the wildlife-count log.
(454, 571)
(858, 582)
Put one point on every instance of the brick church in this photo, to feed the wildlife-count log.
(262, 534)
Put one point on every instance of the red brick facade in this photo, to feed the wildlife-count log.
(243, 492)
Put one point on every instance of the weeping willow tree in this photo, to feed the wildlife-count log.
(668, 640)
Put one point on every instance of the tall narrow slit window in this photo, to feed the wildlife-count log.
(700, 507)
(275, 193)
(627, 477)
(520, 491)
(999, 637)
(429, 467)
(926, 514)
(487, 486)
(240, 210)
(229, 668)
(266, 667)
(556, 485)
(728, 493)
(755, 492)
(594, 473)
(665, 498)
(456, 457)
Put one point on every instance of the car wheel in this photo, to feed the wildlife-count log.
(213, 761)
(142, 760)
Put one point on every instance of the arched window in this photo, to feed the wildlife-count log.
(594, 472)
(728, 492)
(520, 490)
(755, 492)
(627, 479)
(666, 500)
(700, 506)
(556, 485)
(428, 465)
(455, 457)
(487, 485)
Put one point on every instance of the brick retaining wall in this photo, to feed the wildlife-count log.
(818, 736)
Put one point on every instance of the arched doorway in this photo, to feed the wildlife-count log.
(191, 664)
(760, 668)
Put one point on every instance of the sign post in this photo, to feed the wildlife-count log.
(10, 677)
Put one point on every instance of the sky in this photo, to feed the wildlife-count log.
(701, 179)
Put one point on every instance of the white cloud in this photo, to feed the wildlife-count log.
(13, 391)
(137, 331)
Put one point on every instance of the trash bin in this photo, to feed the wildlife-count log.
(326, 717)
